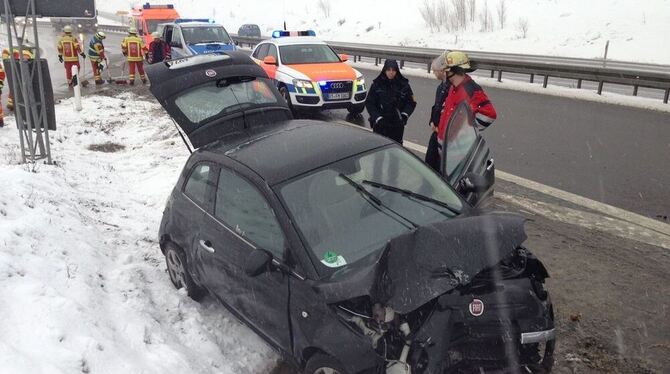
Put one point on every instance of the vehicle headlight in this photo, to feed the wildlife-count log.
(302, 83)
(79, 25)
(360, 81)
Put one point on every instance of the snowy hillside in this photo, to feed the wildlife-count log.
(636, 30)
(84, 283)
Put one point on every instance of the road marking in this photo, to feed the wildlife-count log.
(606, 209)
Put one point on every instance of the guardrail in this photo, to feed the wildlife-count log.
(601, 71)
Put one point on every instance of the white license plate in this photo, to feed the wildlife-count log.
(338, 96)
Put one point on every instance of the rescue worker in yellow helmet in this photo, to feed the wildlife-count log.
(26, 55)
(134, 49)
(69, 51)
(96, 54)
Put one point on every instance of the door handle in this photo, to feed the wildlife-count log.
(489, 164)
(207, 246)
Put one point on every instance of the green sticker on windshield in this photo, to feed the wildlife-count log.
(333, 260)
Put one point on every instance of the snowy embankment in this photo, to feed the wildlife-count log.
(82, 277)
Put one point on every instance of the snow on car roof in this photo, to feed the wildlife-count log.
(292, 40)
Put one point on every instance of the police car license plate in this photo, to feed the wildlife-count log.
(338, 96)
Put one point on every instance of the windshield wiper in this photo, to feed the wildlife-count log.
(415, 195)
(373, 198)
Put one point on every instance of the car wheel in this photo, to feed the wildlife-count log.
(285, 94)
(356, 109)
(177, 268)
(323, 364)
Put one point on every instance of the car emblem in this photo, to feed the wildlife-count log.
(476, 307)
(337, 85)
(210, 73)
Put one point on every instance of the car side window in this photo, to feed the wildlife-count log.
(273, 52)
(168, 34)
(262, 51)
(461, 137)
(244, 209)
(176, 36)
(198, 183)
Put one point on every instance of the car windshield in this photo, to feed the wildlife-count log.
(209, 34)
(225, 96)
(307, 54)
(152, 24)
(349, 209)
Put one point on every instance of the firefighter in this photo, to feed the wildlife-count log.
(27, 55)
(69, 51)
(134, 49)
(159, 50)
(96, 54)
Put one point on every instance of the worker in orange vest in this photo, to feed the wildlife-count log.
(27, 55)
(69, 51)
(134, 49)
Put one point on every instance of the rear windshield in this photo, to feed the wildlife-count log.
(213, 34)
(215, 99)
(307, 54)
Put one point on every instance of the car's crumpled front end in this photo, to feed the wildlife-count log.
(488, 310)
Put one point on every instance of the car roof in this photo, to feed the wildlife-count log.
(293, 40)
(285, 150)
(196, 23)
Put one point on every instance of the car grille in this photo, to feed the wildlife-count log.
(338, 88)
(481, 345)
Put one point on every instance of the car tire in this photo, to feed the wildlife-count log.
(323, 364)
(356, 109)
(177, 268)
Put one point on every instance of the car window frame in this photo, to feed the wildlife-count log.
(208, 204)
(260, 46)
(248, 240)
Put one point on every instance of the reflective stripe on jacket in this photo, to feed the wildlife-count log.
(133, 47)
(69, 48)
(96, 50)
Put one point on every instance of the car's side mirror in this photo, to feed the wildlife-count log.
(472, 182)
(257, 262)
(344, 58)
(270, 60)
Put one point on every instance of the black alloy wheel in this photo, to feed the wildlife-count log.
(177, 269)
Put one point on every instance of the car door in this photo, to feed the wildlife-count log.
(243, 221)
(466, 159)
(179, 49)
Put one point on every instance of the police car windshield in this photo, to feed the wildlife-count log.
(209, 34)
(218, 98)
(307, 54)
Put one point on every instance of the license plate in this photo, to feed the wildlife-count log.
(338, 96)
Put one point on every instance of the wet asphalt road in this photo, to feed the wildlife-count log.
(609, 153)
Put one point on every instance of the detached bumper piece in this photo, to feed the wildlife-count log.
(538, 336)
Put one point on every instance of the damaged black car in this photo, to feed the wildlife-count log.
(340, 248)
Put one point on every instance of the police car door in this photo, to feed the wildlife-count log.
(466, 158)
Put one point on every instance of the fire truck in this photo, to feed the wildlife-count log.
(147, 17)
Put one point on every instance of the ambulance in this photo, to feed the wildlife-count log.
(309, 74)
(147, 17)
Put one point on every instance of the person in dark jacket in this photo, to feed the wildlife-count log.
(159, 49)
(438, 66)
(390, 102)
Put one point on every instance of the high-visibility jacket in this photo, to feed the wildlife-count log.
(96, 50)
(69, 48)
(2, 79)
(27, 55)
(133, 48)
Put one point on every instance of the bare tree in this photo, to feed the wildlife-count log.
(459, 14)
(485, 18)
(324, 5)
(472, 10)
(502, 13)
(429, 15)
(522, 27)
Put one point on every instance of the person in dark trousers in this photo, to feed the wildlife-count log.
(390, 102)
(438, 66)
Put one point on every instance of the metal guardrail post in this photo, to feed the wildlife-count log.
(635, 90)
(579, 83)
(492, 73)
(667, 94)
(546, 81)
(499, 75)
(428, 67)
(532, 77)
(600, 87)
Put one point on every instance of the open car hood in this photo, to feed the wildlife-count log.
(171, 80)
(419, 266)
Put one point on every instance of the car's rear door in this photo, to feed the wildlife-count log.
(465, 153)
(242, 221)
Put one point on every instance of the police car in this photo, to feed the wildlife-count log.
(191, 36)
(309, 74)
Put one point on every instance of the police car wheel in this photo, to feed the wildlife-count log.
(284, 92)
(356, 109)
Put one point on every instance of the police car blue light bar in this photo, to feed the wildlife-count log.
(184, 20)
(149, 6)
(283, 33)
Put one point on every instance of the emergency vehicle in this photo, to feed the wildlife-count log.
(309, 74)
(197, 36)
(147, 17)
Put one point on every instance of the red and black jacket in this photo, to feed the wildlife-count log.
(473, 93)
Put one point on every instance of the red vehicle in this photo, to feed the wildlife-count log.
(147, 17)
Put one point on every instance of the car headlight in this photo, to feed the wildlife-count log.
(360, 81)
(302, 83)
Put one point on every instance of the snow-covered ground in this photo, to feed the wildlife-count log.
(636, 30)
(83, 282)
